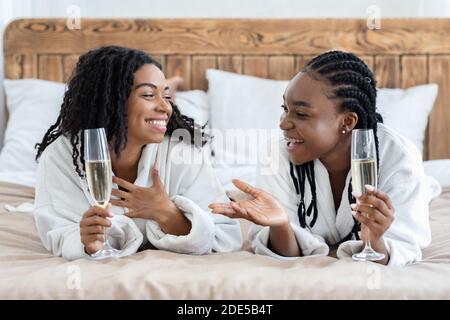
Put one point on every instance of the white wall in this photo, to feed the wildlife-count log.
(12, 9)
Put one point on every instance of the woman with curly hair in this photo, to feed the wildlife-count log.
(158, 199)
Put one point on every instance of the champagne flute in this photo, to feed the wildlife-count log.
(364, 172)
(99, 177)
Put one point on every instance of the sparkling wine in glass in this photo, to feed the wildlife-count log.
(364, 172)
(99, 177)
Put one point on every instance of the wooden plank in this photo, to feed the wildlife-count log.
(257, 66)
(230, 63)
(281, 67)
(51, 68)
(199, 66)
(232, 37)
(414, 71)
(69, 63)
(387, 71)
(369, 60)
(301, 61)
(439, 123)
(13, 66)
(179, 66)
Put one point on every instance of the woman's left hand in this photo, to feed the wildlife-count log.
(375, 212)
(142, 202)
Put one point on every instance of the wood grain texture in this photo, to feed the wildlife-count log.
(69, 63)
(281, 67)
(232, 36)
(51, 68)
(230, 63)
(199, 66)
(257, 66)
(405, 52)
(387, 71)
(179, 66)
(439, 125)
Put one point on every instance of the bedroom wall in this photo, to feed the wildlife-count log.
(12, 9)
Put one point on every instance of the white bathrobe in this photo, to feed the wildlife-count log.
(62, 197)
(401, 177)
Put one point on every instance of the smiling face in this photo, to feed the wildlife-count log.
(149, 107)
(312, 122)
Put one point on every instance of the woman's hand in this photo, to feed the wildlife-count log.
(152, 204)
(92, 228)
(376, 213)
(263, 209)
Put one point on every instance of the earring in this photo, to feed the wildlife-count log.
(343, 131)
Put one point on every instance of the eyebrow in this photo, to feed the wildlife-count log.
(301, 103)
(151, 85)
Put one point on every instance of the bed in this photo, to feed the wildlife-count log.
(403, 53)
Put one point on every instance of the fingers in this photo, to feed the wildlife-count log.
(123, 183)
(245, 187)
(95, 229)
(93, 237)
(369, 212)
(380, 195)
(119, 203)
(223, 208)
(238, 209)
(97, 211)
(364, 220)
(372, 199)
(155, 178)
(95, 220)
(119, 193)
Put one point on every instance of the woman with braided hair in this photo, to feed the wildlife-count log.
(158, 198)
(307, 204)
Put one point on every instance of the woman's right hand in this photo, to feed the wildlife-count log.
(92, 228)
(263, 209)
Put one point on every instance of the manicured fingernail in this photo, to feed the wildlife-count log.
(369, 187)
(353, 206)
(356, 194)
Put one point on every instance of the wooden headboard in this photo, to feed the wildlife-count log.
(403, 53)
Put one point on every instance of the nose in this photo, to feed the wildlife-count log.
(164, 106)
(285, 123)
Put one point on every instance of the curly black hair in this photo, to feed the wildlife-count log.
(97, 95)
(354, 86)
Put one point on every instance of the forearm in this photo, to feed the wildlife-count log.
(282, 241)
(173, 221)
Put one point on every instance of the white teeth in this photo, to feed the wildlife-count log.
(157, 122)
(293, 140)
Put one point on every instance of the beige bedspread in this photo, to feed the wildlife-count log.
(28, 271)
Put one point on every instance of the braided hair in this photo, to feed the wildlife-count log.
(353, 83)
(97, 95)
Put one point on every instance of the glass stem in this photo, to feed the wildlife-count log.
(368, 244)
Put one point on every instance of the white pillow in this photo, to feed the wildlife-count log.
(33, 105)
(407, 110)
(245, 111)
(440, 170)
(245, 102)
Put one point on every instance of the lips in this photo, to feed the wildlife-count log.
(292, 143)
(158, 124)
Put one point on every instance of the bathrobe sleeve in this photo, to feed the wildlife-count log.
(402, 178)
(193, 186)
(274, 178)
(60, 203)
(56, 217)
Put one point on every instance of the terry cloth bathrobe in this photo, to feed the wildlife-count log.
(401, 177)
(62, 197)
